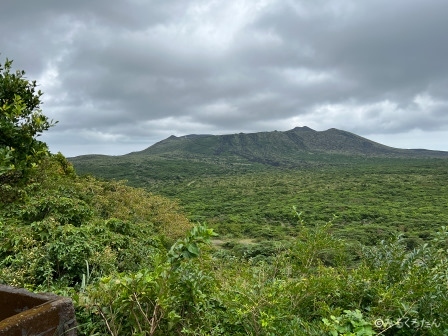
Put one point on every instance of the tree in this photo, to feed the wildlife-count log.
(21, 122)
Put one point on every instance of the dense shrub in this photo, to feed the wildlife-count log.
(62, 221)
(386, 290)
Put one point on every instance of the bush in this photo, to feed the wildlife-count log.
(173, 296)
(62, 221)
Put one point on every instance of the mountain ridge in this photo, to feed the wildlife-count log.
(199, 155)
(296, 141)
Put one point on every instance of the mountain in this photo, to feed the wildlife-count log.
(272, 146)
(212, 154)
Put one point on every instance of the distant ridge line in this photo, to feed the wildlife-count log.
(275, 147)
(280, 145)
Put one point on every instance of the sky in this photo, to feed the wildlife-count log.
(120, 75)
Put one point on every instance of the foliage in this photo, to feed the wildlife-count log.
(135, 282)
(351, 323)
(188, 247)
(21, 121)
(374, 294)
(172, 297)
(61, 221)
(373, 198)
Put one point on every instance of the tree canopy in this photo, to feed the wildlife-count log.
(21, 122)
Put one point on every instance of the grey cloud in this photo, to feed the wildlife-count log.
(139, 70)
(389, 49)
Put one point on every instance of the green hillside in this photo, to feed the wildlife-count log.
(278, 147)
(210, 155)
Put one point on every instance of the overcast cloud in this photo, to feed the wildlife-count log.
(121, 75)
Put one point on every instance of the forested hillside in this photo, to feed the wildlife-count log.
(300, 249)
(278, 147)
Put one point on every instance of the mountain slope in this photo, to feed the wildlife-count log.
(205, 155)
(283, 146)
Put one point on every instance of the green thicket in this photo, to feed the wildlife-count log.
(135, 265)
(371, 201)
(59, 221)
(373, 198)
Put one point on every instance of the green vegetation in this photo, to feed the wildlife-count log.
(373, 198)
(370, 202)
(20, 122)
(321, 244)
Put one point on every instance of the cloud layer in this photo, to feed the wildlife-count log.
(120, 77)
